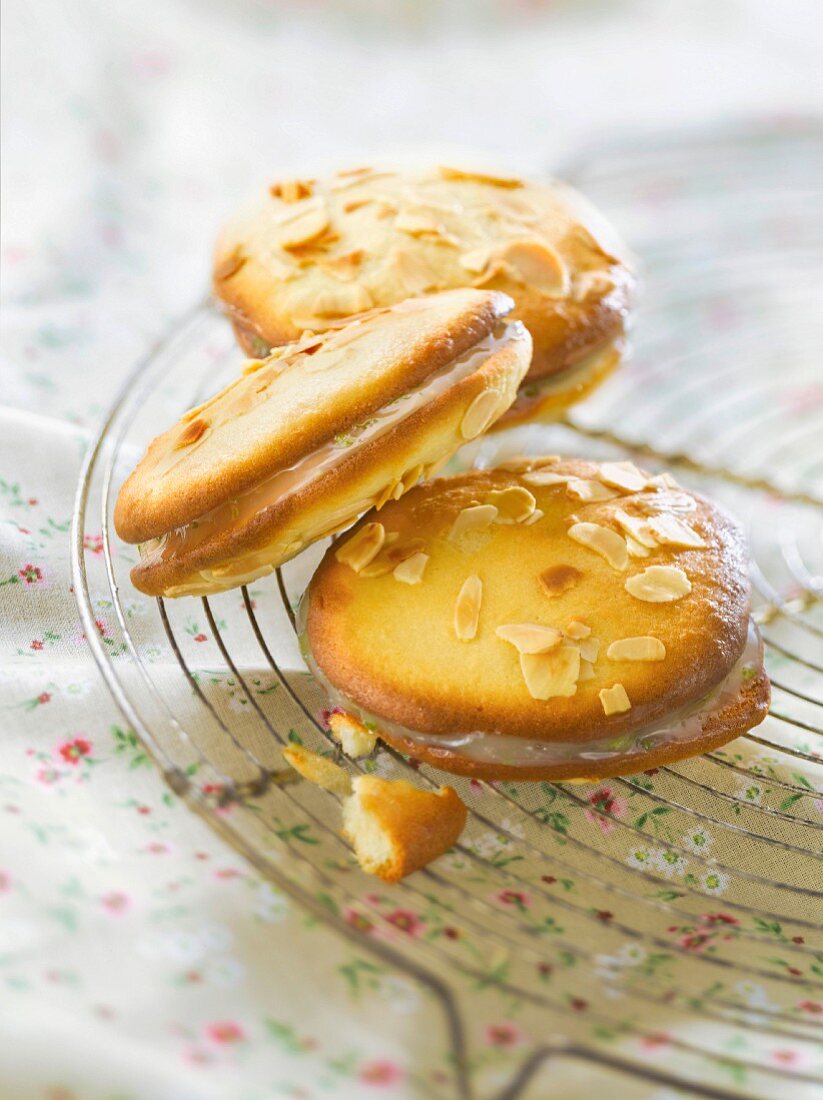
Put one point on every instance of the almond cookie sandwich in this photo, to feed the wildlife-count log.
(309, 252)
(546, 619)
(306, 440)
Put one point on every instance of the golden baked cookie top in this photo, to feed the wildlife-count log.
(545, 599)
(312, 251)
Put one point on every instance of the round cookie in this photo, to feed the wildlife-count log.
(312, 251)
(546, 619)
(310, 438)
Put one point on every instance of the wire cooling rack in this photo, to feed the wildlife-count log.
(661, 928)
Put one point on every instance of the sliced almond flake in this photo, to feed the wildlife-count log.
(363, 547)
(194, 430)
(517, 461)
(546, 477)
(558, 579)
(392, 553)
(475, 261)
(341, 300)
(586, 670)
(589, 649)
(412, 569)
(623, 475)
(474, 518)
(514, 505)
(575, 629)
(605, 542)
(584, 489)
(536, 264)
(659, 584)
(674, 532)
(344, 267)
(292, 190)
(418, 224)
(663, 481)
(641, 648)
(482, 411)
(636, 526)
(530, 637)
(467, 608)
(411, 477)
(459, 175)
(398, 491)
(614, 700)
(413, 271)
(553, 674)
(230, 265)
(307, 224)
(384, 497)
(636, 550)
(536, 515)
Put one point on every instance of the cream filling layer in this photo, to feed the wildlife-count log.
(683, 724)
(245, 507)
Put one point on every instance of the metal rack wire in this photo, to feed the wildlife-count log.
(727, 990)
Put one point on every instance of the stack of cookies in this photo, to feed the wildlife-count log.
(546, 619)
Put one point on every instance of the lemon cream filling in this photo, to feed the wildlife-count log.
(683, 724)
(244, 508)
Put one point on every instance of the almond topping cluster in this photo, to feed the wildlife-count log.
(502, 506)
(372, 552)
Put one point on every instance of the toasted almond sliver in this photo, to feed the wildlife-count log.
(586, 489)
(659, 584)
(363, 547)
(343, 300)
(529, 637)
(480, 414)
(642, 648)
(636, 526)
(636, 550)
(475, 261)
(514, 505)
(623, 475)
(463, 176)
(467, 608)
(535, 517)
(614, 700)
(537, 264)
(417, 224)
(589, 649)
(303, 227)
(546, 477)
(575, 629)
(586, 671)
(553, 674)
(673, 531)
(391, 555)
(527, 462)
(474, 518)
(663, 481)
(605, 542)
(411, 570)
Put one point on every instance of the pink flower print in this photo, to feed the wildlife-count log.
(200, 637)
(515, 898)
(116, 901)
(358, 921)
(719, 918)
(656, 1039)
(73, 751)
(380, 1072)
(5, 882)
(31, 574)
(156, 848)
(36, 645)
(814, 1008)
(226, 1031)
(93, 543)
(405, 921)
(604, 802)
(503, 1035)
(785, 1057)
(48, 776)
(695, 941)
(44, 697)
